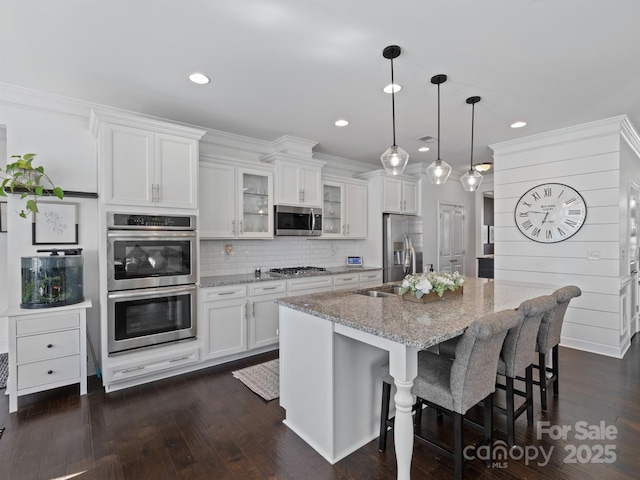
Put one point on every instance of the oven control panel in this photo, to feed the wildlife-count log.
(143, 222)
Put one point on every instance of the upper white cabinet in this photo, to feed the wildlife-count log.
(399, 195)
(235, 202)
(298, 181)
(146, 162)
(344, 209)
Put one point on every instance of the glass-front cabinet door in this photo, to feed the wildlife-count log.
(333, 211)
(255, 218)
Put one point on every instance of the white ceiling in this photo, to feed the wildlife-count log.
(293, 67)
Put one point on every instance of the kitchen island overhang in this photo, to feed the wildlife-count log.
(332, 345)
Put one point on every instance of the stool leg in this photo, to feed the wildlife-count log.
(529, 394)
(554, 368)
(384, 415)
(488, 427)
(542, 362)
(511, 434)
(457, 445)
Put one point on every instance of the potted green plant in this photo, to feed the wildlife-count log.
(24, 178)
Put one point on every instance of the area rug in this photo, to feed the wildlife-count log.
(4, 369)
(263, 379)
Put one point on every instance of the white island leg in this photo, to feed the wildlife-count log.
(403, 367)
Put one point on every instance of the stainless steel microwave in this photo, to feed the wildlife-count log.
(300, 221)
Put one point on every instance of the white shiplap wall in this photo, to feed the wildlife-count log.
(588, 158)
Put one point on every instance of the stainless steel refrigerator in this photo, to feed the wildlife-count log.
(402, 246)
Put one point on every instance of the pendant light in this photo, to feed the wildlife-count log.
(472, 179)
(394, 159)
(439, 170)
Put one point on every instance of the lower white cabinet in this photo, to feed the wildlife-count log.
(224, 310)
(263, 313)
(309, 285)
(370, 279)
(47, 349)
(346, 281)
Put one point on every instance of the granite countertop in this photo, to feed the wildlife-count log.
(225, 280)
(419, 325)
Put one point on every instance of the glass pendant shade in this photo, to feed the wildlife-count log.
(438, 172)
(394, 159)
(471, 180)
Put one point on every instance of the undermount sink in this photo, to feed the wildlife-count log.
(382, 292)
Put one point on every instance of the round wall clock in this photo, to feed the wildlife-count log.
(550, 212)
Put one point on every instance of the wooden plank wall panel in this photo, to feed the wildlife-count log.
(588, 160)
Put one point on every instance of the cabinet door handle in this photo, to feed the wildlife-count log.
(50, 346)
(129, 370)
(348, 230)
(303, 194)
(253, 309)
(178, 359)
(233, 227)
(240, 226)
(49, 372)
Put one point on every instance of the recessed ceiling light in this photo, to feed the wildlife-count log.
(199, 78)
(518, 124)
(341, 123)
(423, 149)
(392, 86)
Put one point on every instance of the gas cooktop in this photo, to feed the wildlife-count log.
(297, 271)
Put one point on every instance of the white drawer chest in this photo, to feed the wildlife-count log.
(47, 349)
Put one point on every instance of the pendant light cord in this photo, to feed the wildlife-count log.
(473, 116)
(438, 121)
(393, 104)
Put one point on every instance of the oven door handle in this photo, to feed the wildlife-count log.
(153, 292)
(150, 235)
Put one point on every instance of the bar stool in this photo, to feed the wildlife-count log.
(549, 339)
(456, 385)
(517, 358)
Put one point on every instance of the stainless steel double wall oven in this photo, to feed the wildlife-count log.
(151, 279)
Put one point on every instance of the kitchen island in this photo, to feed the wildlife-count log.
(331, 347)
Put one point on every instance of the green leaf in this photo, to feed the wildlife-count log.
(58, 192)
(39, 190)
(40, 169)
(23, 195)
(32, 205)
(28, 156)
(23, 214)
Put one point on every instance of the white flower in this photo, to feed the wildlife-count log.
(424, 285)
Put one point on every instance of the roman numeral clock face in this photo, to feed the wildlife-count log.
(550, 213)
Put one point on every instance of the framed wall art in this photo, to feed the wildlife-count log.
(3, 216)
(56, 223)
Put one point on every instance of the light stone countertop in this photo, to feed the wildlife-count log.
(419, 325)
(226, 280)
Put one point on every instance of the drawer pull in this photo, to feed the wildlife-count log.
(178, 359)
(128, 370)
(269, 288)
(226, 293)
(50, 372)
(49, 346)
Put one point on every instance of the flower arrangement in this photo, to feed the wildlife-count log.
(432, 282)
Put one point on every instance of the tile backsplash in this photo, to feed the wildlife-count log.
(280, 252)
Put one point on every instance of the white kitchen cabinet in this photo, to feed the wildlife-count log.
(370, 279)
(224, 310)
(298, 182)
(235, 202)
(217, 192)
(308, 285)
(263, 313)
(346, 281)
(399, 195)
(344, 209)
(145, 162)
(47, 349)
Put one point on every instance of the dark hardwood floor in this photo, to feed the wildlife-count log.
(208, 425)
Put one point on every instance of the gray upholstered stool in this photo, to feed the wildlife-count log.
(517, 358)
(456, 385)
(549, 339)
